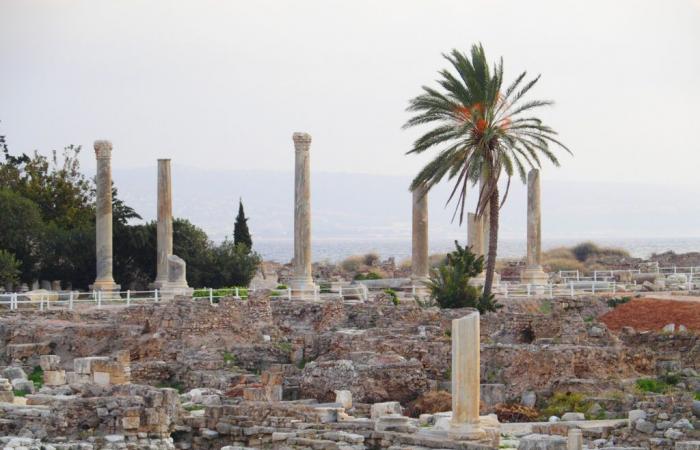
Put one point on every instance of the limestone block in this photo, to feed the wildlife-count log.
(177, 270)
(54, 377)
(634, 415)
(7, 397)
(573, 416)
(384, 409)
(344, 397)
(688, 445)
(77, 378)
(13, 372)
(395, 422)
(529, 399)
(83, 365)
(131, 423)
(645, 426)
(5, 385)
(254, 394)
(49, 362)
(542, 442)
(101, 378)
(22, 384)
(493, 394)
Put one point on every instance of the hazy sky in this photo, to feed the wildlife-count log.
(225, 83)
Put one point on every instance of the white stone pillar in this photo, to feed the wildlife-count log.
(302, 281)
(533, 273)
(466, 378)
(419, 247)
(103, 217)
(164, 225)
(574, 439)
(475, 234)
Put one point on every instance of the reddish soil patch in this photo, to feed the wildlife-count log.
(649, 314)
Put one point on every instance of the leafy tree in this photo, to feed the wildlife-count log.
(192, 244)
(241, 234)
(9, 268)
(481, 133)
(235, 264)
(21, 230)
(449, 283)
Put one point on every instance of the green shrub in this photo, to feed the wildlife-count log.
(697, 395)
(584, 250)
(449, 283)
(171, 385)
(393, 296)
(563, 402)
(19, 393)
(651, 385)
(614, 302)
(286, 347)
(229, 358)
(368, 276)
(281, 286)
(671, 379)
(9, 268)
(37, 377)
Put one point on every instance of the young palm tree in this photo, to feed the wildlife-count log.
(481, 132)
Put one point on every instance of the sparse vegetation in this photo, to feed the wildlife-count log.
(449, 284)
(652, 385)
(393, 296)
(614, 302)
(37, 377)
(563, 402)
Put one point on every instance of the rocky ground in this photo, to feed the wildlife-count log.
(268, 373)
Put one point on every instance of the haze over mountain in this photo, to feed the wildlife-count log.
(360, 206)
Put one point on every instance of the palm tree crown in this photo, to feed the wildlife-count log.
(480, 131)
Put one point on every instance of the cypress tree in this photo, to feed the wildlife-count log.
(241, 234)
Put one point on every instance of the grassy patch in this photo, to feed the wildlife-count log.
(651, 385)
(21, 393)
(229, 358)
(563, 402)
(37, 377)
(172, 385)
(194, 407)
(546, 307)
(697, 395)
(617, 301)
(393, 296)
(284, 346)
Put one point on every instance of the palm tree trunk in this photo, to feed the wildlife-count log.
(493, 241)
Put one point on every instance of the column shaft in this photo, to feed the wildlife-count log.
(534, 220)
(475, 234)
(419, 248)
(165, 221)
(302, 278)
(465, 369)
(103, 217)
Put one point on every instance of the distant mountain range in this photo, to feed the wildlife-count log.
(348, 206)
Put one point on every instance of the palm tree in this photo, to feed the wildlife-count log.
(480, 132)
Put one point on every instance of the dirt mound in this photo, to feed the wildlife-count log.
(650, 314)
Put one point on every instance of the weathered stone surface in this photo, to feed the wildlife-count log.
(542, 442)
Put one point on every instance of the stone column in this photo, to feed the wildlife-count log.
(533, 272)
(165, 223)
(575, 439)
(103, 213)
(475, 240)
(475, 234)
(419, 248)
(466, 378)
(301, 278)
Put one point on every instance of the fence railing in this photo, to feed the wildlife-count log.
(71, 300)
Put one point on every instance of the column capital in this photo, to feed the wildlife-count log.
(302, 141)
(103, 149)
(164, 159)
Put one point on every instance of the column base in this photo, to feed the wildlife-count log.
(534, 275)
(303, 288)
(486, 430)
(105, 285)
